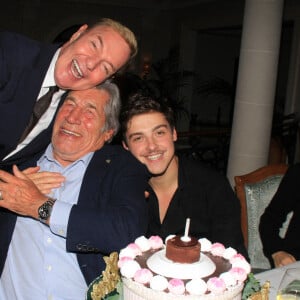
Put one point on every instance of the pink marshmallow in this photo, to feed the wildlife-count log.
(123, 260)
(239, 274)
(239, 261)
(216, 285)
(236, 258)
(217, 249)
(132, 250)
(143, 276)
(156, 242)
(176, 286)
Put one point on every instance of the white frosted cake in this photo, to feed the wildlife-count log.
(147, 273)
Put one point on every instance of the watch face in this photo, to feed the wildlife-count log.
(44, 211)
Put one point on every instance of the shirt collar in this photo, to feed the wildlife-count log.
(48, 155)
(49, 78)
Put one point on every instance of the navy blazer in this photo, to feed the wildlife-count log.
(23, 66)
(111, 210)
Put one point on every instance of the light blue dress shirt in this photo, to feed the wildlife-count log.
(37, 266)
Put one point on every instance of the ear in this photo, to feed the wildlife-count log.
(77, 34)
(174, 135)
(125, 146)
(108, 134)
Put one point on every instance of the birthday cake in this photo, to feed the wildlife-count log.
(148, 273)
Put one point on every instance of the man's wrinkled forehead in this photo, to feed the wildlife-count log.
(93, 96)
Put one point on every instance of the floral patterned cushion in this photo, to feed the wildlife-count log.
(258, 196)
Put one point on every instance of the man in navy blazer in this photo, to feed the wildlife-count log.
(29, 68)
(53, 245)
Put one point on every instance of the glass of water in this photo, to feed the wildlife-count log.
(289, 288)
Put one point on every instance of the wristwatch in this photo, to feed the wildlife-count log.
(45, 210)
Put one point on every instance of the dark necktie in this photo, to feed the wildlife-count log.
(38, 110)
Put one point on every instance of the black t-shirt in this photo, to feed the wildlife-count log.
(206, 197)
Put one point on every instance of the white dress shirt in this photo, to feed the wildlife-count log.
(47, 117)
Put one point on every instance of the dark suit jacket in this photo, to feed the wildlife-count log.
(23, 65)
(111, 210)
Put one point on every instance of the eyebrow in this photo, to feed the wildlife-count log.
(154, 129)
(100, 40)
(134, 134)
(159, 126)
(70, 98)
(91, 105)
(99, 37)
(74, 100)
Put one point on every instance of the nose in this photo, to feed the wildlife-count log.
(151, 144)
(74, 116)
(92, 63)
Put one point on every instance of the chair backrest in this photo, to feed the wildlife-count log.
(255, 191)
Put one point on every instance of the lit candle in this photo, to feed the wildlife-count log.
(186, 237)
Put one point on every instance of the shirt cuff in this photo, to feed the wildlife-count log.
(60, 217)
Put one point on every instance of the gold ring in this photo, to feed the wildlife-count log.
(1, 197)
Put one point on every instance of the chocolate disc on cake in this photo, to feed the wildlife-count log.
(182, 251)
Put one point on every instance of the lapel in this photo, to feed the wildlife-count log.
(19, 95)
(95, 174)
(17, 108)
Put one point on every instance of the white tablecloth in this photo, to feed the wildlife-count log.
(274, 276)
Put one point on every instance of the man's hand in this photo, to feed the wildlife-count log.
(20, 194)
(45, 181)
(282, 258)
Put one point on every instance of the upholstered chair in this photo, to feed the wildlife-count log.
(255, 191)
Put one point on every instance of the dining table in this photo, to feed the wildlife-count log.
(274, 276)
